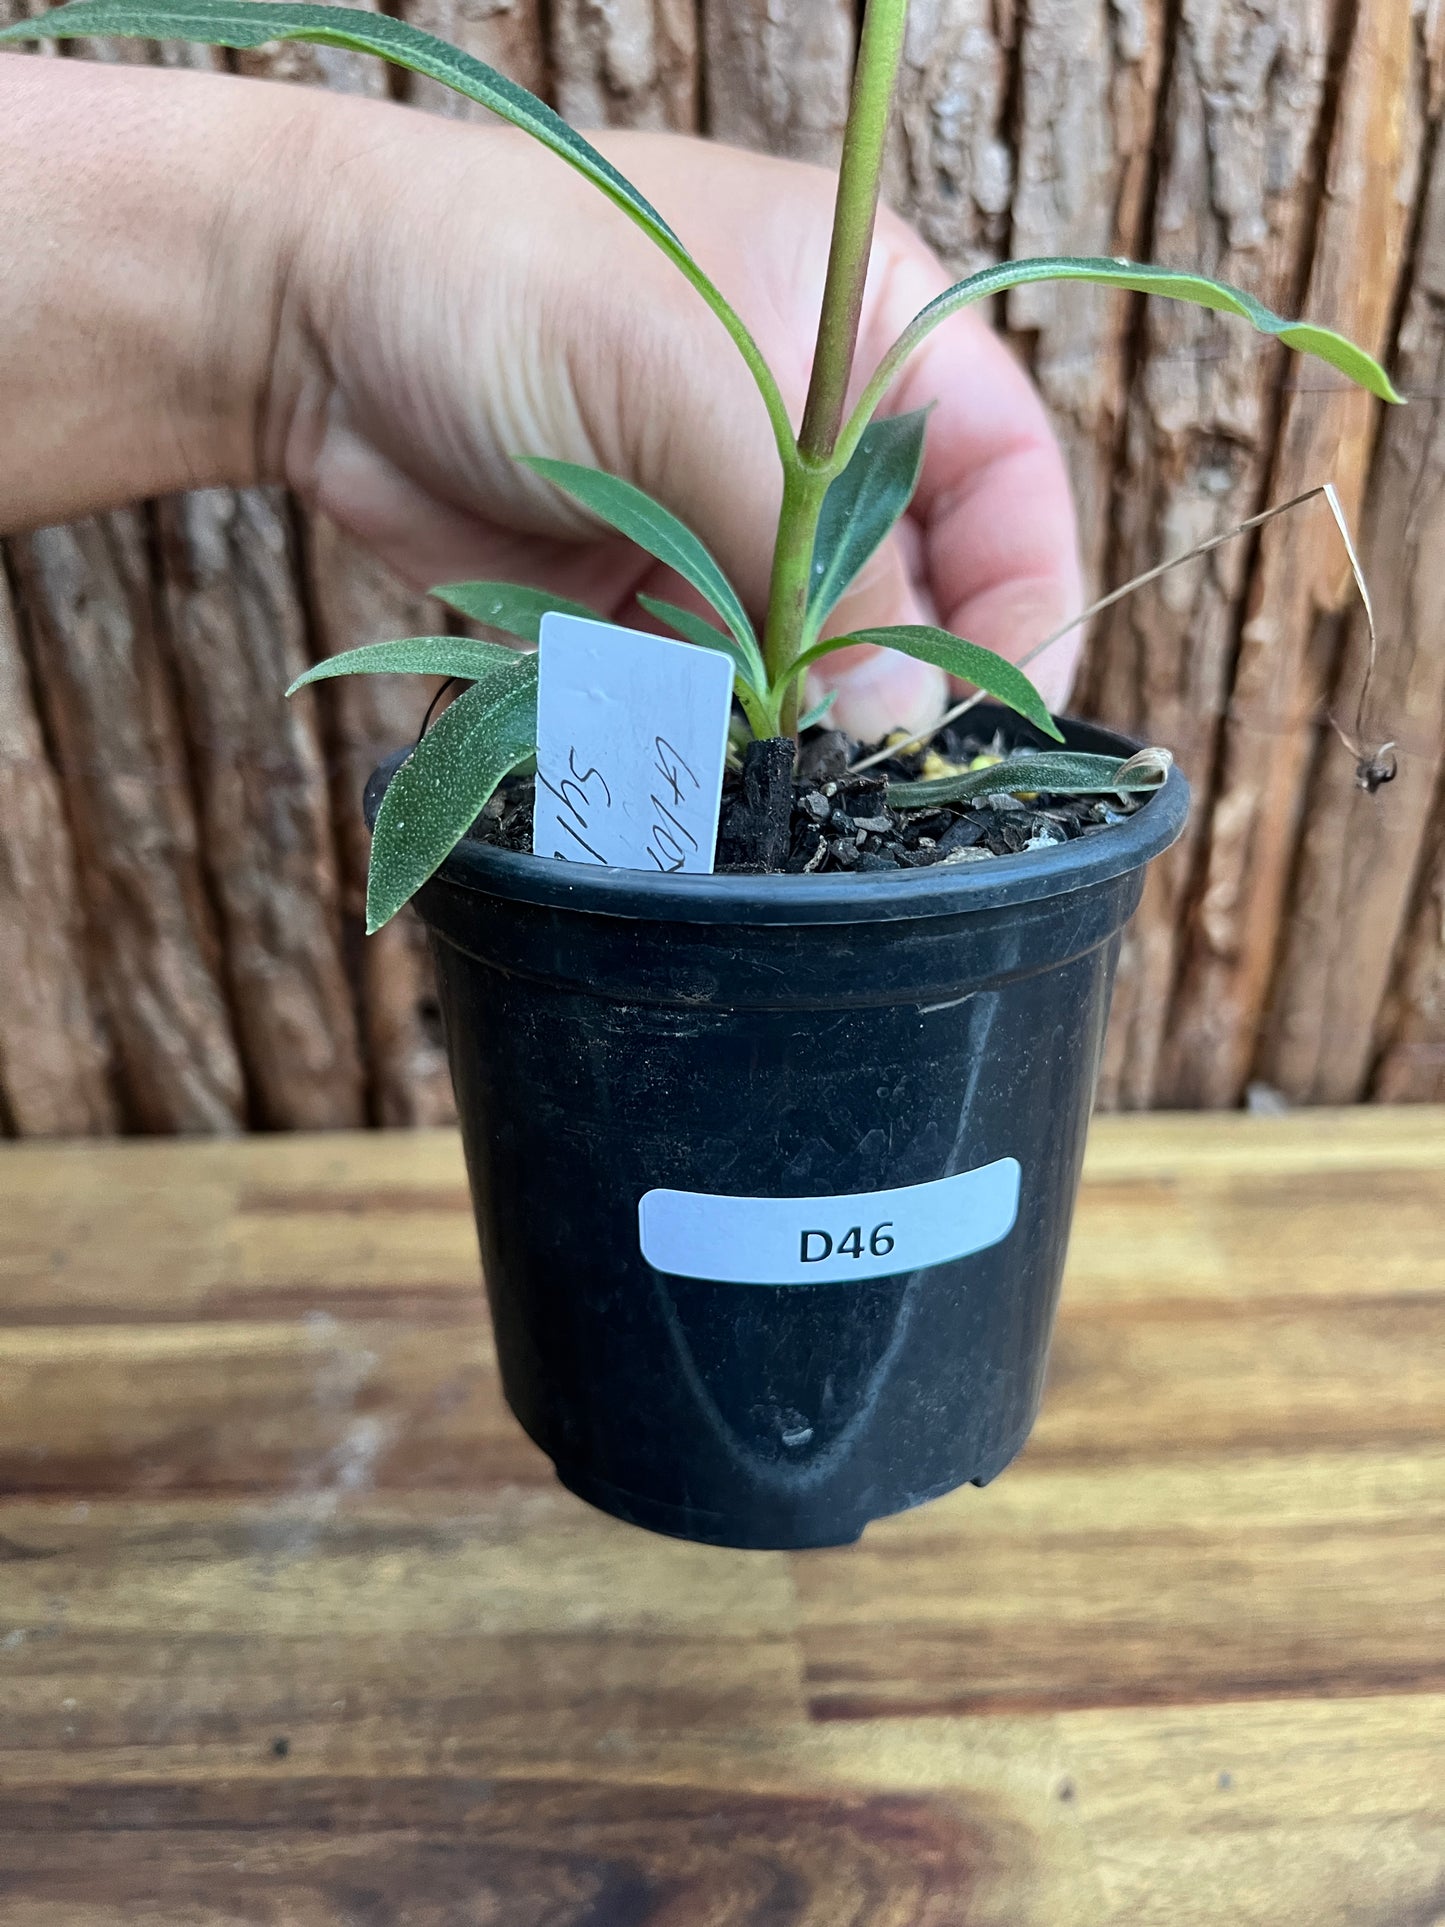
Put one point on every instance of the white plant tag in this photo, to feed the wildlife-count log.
(825, 1241)
(632, 735)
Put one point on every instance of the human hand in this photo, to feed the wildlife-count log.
(213, 281)
(471, 300)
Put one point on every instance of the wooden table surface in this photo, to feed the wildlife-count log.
(297, 1629)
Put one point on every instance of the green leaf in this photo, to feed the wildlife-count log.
(699, 630)
(510, 607)
(1138, 278)
(461, 656)
(436, 795)
(863, 505)
(819, 710)
(969, 661)
(252, 23)
(750, 679)
(652, 527)
(1068, 773)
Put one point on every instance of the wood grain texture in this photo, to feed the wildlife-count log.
(54, 1058)
(626, 63)
(504, 33)
(951, 161)
(1357, 863)
(296, 1626)
(1237, 156)
(354, 601)
(1088, 82)
(99, 670)
(1282, 669)
(238, 637)
(1411, 1063)
(778, 77)
(1295, 938)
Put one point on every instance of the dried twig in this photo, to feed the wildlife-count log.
(1372, 767)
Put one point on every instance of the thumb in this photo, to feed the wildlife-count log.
(879, 689)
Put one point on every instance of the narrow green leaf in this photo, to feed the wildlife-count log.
(697, 629)
(863, 505)
(819, 710)
(969, 661)
(633, 513)
(750, 679)
(509, 606)
(436, 795)
(1138, 278)
(1067, 773)
(252, 23)
(462, 656)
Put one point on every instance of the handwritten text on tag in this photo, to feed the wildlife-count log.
(631, 739)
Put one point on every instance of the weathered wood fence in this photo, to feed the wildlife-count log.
(181, 867)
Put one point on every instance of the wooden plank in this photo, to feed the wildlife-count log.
(1216, 1237)
(329, 1307)
(1237, 145)
(504, 33)
(1222, 1579)
(1325, 1812)
(376, 1697)
(370, 1225)
(238, 637)
(1281, 681)
(778, 78)
(110, 711)
(1358, 861)
(397, 1385)
(1183, 1663)
(509, 1563)
(1191, 1144)
(1354, 1373)
(312, 1408)
(54, 1059)
(540, 1855)
(354, 601)
(626, 63)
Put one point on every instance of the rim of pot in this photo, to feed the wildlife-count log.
(943, 889)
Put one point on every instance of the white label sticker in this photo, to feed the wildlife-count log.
(631, 738)
(823, 1241)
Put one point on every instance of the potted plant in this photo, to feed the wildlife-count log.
(774, 1167)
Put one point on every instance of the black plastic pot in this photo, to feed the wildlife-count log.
(615, 1035)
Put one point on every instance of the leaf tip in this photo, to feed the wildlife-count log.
(379, 911)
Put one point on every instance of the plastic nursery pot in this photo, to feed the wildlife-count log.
(681, 1098)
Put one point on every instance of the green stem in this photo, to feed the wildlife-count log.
(812, 467)
(803, 492)
(880, 53)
